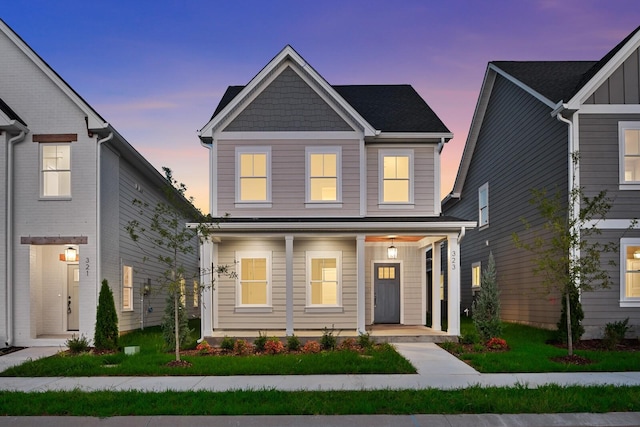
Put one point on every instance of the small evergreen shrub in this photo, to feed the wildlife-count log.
(486, 308)
(227, 343)
(260, 341)
(365, 341)
(614, 333)
(293, 343)
(470, 338)
(77, 344)
(106, 332)
(242, 348)
(273, 346)
(311, 347)
(168, 323)
(328, 340)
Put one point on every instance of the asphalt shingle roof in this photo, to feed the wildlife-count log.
(9, 112)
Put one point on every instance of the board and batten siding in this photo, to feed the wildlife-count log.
(288, 178)
(623, 86)
(520, 147)
(423, 181)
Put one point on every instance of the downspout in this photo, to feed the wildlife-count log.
(211, 201)
(463, 231)
(98, 211)
(9, 235)
(571, 171)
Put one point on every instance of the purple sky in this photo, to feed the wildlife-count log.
(156, 69)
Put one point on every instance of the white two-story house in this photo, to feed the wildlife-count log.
(329, 205)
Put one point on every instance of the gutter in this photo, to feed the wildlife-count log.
(9, 235)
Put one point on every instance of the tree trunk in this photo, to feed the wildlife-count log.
(176, 317)
(569, 331)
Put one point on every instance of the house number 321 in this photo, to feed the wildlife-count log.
(87, 265)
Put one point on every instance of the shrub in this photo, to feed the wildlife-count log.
(328, 341)
(168, 323)
(203, 347)
(471, 337)
(486, 308)
(349, 344)
(227, 343)
(273, 346)
(106, 332)
(242, 348)
(311, 347)
(497, 344)
(260, 341)
(77, 344)
(365, 341)
(451, 347)
(478, 348)
(293, 343)
(614, 333)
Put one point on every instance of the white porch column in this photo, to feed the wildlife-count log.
(436, 259)
(360, 282)
(423, 285)
(206, 280)
(288, 249)
(453, 293)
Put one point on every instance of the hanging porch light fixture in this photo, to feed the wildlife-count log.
(70, 254)
(392, 251)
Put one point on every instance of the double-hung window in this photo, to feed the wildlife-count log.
(476, 275)
(253, 176)
(629, 148)
(324, 277)
(324, 175)
(483, 205)
(55, 170)
(253, 279)
(396, 177)
(630, 272)
(127, 288)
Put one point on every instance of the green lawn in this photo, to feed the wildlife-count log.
(529, 352)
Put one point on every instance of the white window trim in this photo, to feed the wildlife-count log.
(391, 153)
(41, 173)
(322, 203)
(252, 308)
(253, 203)
(624, 300)
(622, 126)
(478, 265)
(130, 302)
(326, 308)
(484, 187)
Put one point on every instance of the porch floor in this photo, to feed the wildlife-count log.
(379, 333)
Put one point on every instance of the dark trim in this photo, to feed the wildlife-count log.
(55, 137)
(60, 240)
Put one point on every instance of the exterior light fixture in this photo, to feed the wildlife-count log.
(70, 254)
(392, 251)
(636, 254)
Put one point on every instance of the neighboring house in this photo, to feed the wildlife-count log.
(333, 201)
(529, 117)
(68, 181)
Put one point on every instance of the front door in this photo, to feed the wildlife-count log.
(386, 297)
(73, 281)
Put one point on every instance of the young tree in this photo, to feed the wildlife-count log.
(486, 308)
(164, 226)
(106, 333)
(566, 256)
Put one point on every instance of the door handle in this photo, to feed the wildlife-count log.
(375, 300)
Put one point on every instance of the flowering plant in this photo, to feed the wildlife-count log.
(203, 347)
(273, 346)
(497, 344)
(311, 347)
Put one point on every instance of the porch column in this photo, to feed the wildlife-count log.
(453, 312)
(206, 262)
(216, 285)
(288, 250)
(360, 281)
(423, 285)
(436, 259)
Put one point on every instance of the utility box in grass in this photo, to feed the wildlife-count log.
(129, 351)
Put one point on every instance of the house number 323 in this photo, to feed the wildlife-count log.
(87, 265)
(453, 259)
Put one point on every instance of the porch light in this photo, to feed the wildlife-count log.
(636, 254)
(70, 254)
(392, 251)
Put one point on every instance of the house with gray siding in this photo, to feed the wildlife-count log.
(529, 117)
(68, 183)
(328, 200)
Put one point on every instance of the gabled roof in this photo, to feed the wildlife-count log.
(557, 84)
(9, 113)
(378, 108)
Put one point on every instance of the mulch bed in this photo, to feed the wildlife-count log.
(600, 345)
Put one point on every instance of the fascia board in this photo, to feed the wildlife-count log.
(604, 73)
(411, 136)
(524, 87)
(94, 121)
(418, 227)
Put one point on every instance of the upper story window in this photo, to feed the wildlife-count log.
(55, 171)
(476, 274)
(324, 181)
(629, 143)
(127, 288)
(324, 287)
(483, 205)
(254, 279)
(253, 168)
(396, 176)
(630, 272)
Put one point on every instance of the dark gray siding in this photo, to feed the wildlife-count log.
(623, 87)
(520, 147)
(288, 104)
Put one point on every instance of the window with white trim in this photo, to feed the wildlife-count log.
(483, 205)
(253, 174)
(396, 176)
(55, 171)
(324, 178)
(476, 274)
(183, 292)
(253, 279)
(629, 146)
(196, 294)
(127, 288)
(324, 277)
(630, 272)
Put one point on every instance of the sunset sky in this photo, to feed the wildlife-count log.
(156, 70)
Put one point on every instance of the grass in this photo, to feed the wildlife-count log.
(547, 399)
(152, 360)
(529, 352)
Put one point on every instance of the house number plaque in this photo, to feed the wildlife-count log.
(87, 265)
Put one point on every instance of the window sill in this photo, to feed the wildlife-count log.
(396, 205)
(625, 186)
(324, 309)
(253, 205)
(43, 198)
(253, 310)
(483, 227)
(323, 205)
(630, 303)
(127, 310)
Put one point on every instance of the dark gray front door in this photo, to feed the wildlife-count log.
(386, 298)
